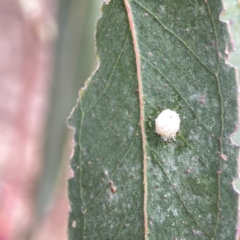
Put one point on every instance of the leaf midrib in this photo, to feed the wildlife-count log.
(141, 106)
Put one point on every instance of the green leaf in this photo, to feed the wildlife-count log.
(128, 182)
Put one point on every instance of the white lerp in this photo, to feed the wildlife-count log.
(167, 124)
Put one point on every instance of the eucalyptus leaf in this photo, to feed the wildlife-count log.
(130, 183)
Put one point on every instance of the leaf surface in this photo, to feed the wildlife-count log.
(128, 182)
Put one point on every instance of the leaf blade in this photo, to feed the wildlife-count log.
(188, 182)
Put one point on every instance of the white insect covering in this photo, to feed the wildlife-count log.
(167, 124)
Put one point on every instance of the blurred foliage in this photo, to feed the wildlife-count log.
(232, 15)
(236, 185)
(74, 61)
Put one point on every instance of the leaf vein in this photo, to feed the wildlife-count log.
(181, 200)
(110, 77)
(113, 173)
(179, 94)
(176, 36)
(222, 124)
